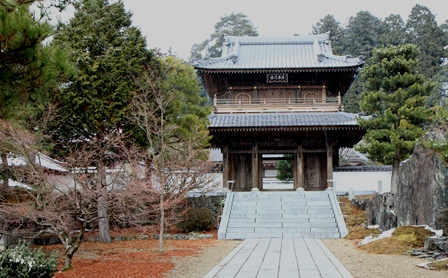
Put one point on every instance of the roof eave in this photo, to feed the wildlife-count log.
(258, 70)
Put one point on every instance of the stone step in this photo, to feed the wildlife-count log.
(279, 215)
(282, 220)
(280, 225)
(282, 230)
(279, 207)
(327, 210)
(281, 235)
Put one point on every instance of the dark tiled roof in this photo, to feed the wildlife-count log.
(263, 120)
(295, 52)
(369, 168)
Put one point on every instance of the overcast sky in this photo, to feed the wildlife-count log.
(178, 24)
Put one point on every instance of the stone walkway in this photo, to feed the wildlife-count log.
(280, 257)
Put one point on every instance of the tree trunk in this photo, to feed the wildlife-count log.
(162, 223)
(70, 248)
(394, 177)
(103, 219)
(4, 174)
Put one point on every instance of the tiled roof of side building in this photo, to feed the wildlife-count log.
(368, 168)
(295, 52)
(282, 120)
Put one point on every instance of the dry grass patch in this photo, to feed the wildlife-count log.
(403, 239)
(356, 220)
(439, 265)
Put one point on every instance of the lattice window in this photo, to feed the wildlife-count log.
(311, 97)
(243, 98)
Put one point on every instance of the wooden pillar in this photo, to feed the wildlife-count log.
(329, 166)
(260, 171)
(225, 167)
(255, 168)
(255, 96)
(299, 175)
(324, 94)
(230, 92)
(298, 94)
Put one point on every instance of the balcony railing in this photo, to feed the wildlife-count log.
(278, 104)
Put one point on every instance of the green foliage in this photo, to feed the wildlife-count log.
(198, 219)
(425, 33)
(335, 32)
(362, 34)
(440, 124)
(235, 24)
(214, 203)
(25, 262)
(395, 99)
(353, 97)
(24, 65)
(285, 168)
(108, 54)
(393, 31)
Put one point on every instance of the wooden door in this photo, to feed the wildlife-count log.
(315, 171)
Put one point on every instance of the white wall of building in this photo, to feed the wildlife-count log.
(360, 182)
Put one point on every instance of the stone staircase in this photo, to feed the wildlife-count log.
(302, 214)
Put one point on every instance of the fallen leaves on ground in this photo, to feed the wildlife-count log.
(133, 258)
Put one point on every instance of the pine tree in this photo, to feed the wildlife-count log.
(395, 98)
(21, 56)
(235, 24)
(30, 71)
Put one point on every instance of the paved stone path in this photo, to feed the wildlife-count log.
(280, 257)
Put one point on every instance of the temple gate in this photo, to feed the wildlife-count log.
(280, 96)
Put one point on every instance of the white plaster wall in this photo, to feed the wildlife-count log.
(362, 181)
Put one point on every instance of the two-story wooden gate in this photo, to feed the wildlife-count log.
(280, 95)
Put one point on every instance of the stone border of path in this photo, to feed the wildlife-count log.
(280, 257)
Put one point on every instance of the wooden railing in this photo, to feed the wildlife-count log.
(278, 104)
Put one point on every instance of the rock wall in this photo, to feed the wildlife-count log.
(381, 211)
(422, 197)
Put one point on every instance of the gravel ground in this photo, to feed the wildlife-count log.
(359, 263)
(363, 264)
(199, 265)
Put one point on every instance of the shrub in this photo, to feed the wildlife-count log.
(197, 219)
(22, 261)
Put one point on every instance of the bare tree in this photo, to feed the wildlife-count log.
(48, 202)
(177, 163)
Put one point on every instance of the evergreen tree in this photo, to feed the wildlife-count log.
(187, 108)
(235, 24)
(30, 72)
(424, 32)
(21, 57)
(362, 34)
(393, 31)
(360, 37)
(333, 28)
(109, 53)
(395, 99)
(353, 97)
(285, 168)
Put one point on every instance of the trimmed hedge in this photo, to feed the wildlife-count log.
(198, 219)
(22, 261)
